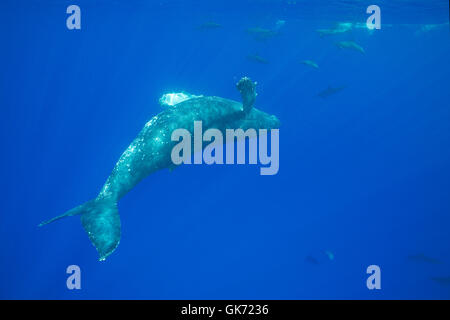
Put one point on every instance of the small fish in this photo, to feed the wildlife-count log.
(350, 45)
(257, 58)
(310, 63)
(423, 258)
(209, 25)
(445, 281)
(330, 91)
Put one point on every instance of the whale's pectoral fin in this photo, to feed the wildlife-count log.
(100, 219)
(102, 224)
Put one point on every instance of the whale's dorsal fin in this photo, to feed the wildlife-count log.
(171, 99)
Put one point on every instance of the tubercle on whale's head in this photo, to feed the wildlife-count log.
(272, 122)
(257, 119)
(276, 122)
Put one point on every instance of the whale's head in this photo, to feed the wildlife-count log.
(257, 119)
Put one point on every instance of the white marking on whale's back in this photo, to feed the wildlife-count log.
(171, 99)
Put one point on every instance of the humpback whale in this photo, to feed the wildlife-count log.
(150, 151)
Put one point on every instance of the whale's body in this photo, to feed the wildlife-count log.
(151, 150)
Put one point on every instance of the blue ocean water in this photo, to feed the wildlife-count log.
(364, 174)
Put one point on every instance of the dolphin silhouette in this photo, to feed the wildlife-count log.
(151, 150)
(257, 58)
(444, 281)
(310, 63)
(350, 45)
(330, 91)
(262, 34)
(209, 25)
(423, 258)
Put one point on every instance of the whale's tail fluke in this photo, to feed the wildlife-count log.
(100, 219)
